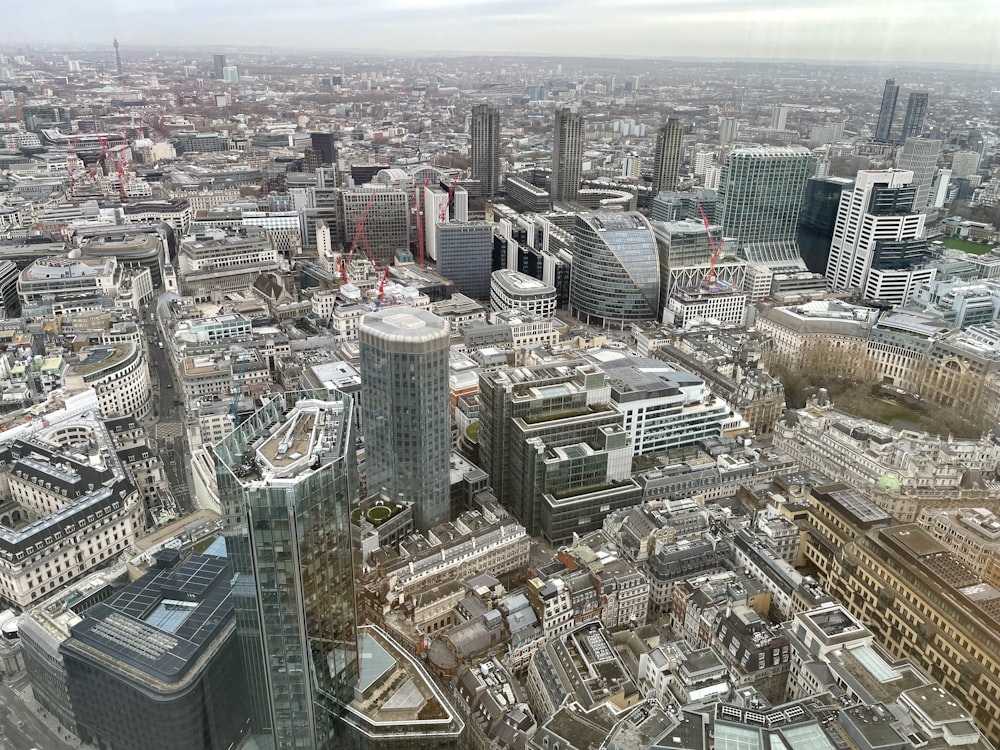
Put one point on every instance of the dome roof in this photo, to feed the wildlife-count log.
(889, 483)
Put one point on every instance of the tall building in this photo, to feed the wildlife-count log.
(669, 155)
(616, 276)
(220, 65)
(118, 60)
(878, 241)
(484, 129)
(405, 409)
(818, 219)
(231, 74)
(325, 144)
(964, 164)
(920, 156)
(464, 255)
(761, 193)
(916, 109)
(886, 113)
(779, 118)
(164, 646)
(386, 226)
(729, 129)
(287, 477)
(567, 155)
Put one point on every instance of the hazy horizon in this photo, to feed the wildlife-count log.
(895, 31)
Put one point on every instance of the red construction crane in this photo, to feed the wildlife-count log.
(359, 234)
(447, 204)
(709, 279)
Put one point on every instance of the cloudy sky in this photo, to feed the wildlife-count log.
(960, 31)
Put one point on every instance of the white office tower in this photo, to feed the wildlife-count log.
(878, 244)
(941, 188)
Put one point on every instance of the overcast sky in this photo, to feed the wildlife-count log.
(961, 31)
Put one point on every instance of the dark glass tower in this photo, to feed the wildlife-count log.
(916, 110)
(287, 477)
(887, 111)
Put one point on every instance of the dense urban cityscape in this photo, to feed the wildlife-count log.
(381, 401)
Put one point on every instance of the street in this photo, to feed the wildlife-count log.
(20, 728)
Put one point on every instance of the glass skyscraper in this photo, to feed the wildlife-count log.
(287, 477)
(405, 410)
(616, 273)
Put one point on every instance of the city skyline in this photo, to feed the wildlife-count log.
(778, 30)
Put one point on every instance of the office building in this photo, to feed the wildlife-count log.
(761, 193)
(464, 256)
(616, 277)
(324, 144)
(405, 410)
(484, 130)
(916, 110)
(287, 477)
(157, 665)
(886, 113)
(220, 65)
(916, 596)
(231, 74)
(818, 219)
(669, 155)
(387, 223)
(920, 156)
(212, 262)
(567, 155)
(878, 245)
(555, 448)
(515, 291)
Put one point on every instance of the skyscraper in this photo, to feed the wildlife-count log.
(916, 109)
(669, 155)
(287, 477)
(405, 411)
(484, 129)
(118, 60)
(920, 156)
(616, 276)
(878, 241)
(729, 129)
(220, 66)
(779, 118)
(760, 194)
(567, 155)
(887, 112)
(325, 144)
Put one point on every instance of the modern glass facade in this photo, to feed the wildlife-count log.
(287, 477)
(405, 411)
(616, 275)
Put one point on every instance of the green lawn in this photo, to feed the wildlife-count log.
(964, 245)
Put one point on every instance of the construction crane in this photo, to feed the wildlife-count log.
(234, 407)
(447, 204)
(709, 279)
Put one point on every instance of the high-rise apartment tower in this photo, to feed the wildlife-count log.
(887, 111)
(484, 129)
(567, 155)
(916, 109)
(669, 155)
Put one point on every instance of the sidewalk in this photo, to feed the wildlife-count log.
(28, 699)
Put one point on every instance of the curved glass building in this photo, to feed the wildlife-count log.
(616, 278)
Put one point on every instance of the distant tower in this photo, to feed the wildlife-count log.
(887, 111)
(118, 59)
(779, 118)
(728, 129)
(220, 66)
(916, 109)
(669, 154)
(920, 156)
(567, 155)
(484, 130)
(405, 410)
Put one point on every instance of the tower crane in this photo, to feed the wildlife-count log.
(710, 275)
(359, 230)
